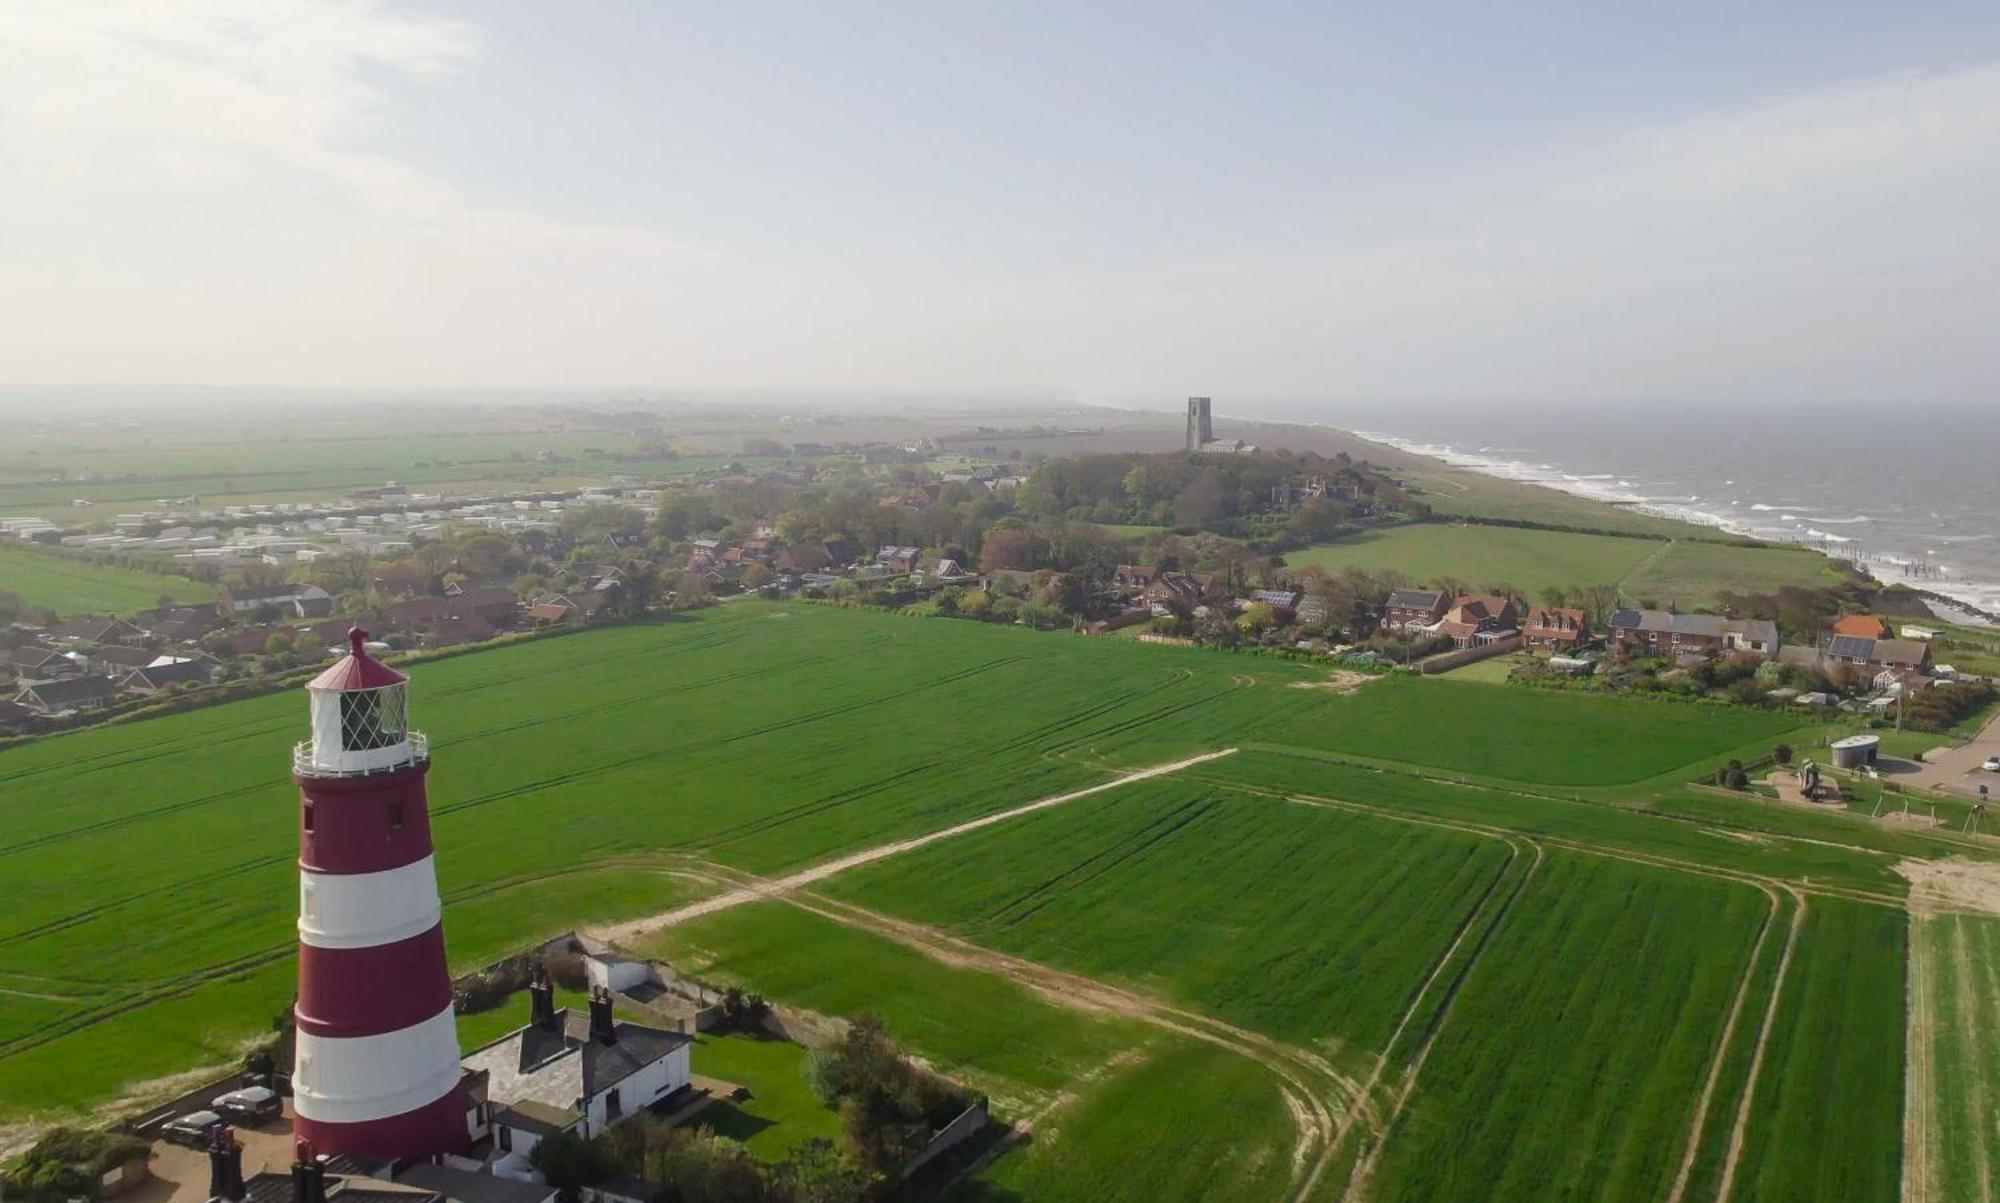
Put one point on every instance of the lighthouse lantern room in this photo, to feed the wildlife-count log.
(376, 1070)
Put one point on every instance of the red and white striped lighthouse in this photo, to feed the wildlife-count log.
(377, 1069)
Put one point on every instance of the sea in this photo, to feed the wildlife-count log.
(1910, 491)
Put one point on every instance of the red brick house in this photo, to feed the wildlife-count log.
(1556, 628)
(1408, 609)
(1475, 619)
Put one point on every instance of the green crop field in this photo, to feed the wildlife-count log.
(1496, 917)
(1351, 913)
(71, 585)
(1958, 993)
(1658, 572)
(1480, 556)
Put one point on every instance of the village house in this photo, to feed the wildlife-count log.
(1413, 609)
(1478, 619)
(1178, 590)
(1660, 633)
(1130, 580)
(896, 559)
(1556, 628)
(1861, 626)
(1284, 603)
(1877, 655)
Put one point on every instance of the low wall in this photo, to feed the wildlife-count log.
(1446, 661)
(964, 1127)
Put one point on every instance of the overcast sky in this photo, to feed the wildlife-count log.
(1095, 201)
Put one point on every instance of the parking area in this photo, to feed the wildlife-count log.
(1956, 770)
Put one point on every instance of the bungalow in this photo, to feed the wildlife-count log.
(82, 631)
(160, 676)
(570, 1072)
(1413, 609)
(302, 601)
(549, 613)
(1556, 628)
(1476, 619)
(76, 693)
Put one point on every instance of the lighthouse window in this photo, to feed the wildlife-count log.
(306, 816)
(371, 718)
(396, 815)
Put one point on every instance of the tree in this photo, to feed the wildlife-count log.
(758, 575)
(570, 1162)
(818, 1173)
(1782, 753)
(1256, 619)
(1007, 548)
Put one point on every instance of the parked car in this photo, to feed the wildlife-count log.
(250, 1105)
(1992, 764)
(191, 1129)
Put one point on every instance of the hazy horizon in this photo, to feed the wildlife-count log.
(1120, 205)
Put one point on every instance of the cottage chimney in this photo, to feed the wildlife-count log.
(308, 1174)
(601, 1028)
(225, 1166)
(542, 999)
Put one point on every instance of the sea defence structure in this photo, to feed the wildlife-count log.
(1200, 425)
(376, 1070)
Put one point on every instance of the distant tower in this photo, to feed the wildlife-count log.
(377, 1052)
(1200, 429)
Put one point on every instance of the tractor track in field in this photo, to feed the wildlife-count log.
(1743, 1106)
(1366, 1165)
(1722, 1046)
(627, 933)
(1919, 1045)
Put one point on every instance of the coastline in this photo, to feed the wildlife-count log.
(1972, 602)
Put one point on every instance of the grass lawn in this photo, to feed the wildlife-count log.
(1453, 491)
(1679, 572)
(781, 1112)
(1492, 671)
(71, 585)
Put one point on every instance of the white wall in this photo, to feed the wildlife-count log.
(642, 1089)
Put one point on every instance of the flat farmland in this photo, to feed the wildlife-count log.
(1955, 993)
(1577, 1049)
(1503, 733)
(71, 585)
(1308, 925)
(1493, 915)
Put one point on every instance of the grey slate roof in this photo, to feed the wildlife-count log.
(1852, 645)
(1704, 625)
(562, 1066)
(1415, 599)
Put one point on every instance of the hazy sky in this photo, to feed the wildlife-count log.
(1092, 200)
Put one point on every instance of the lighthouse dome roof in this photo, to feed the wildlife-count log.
(356, 670)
